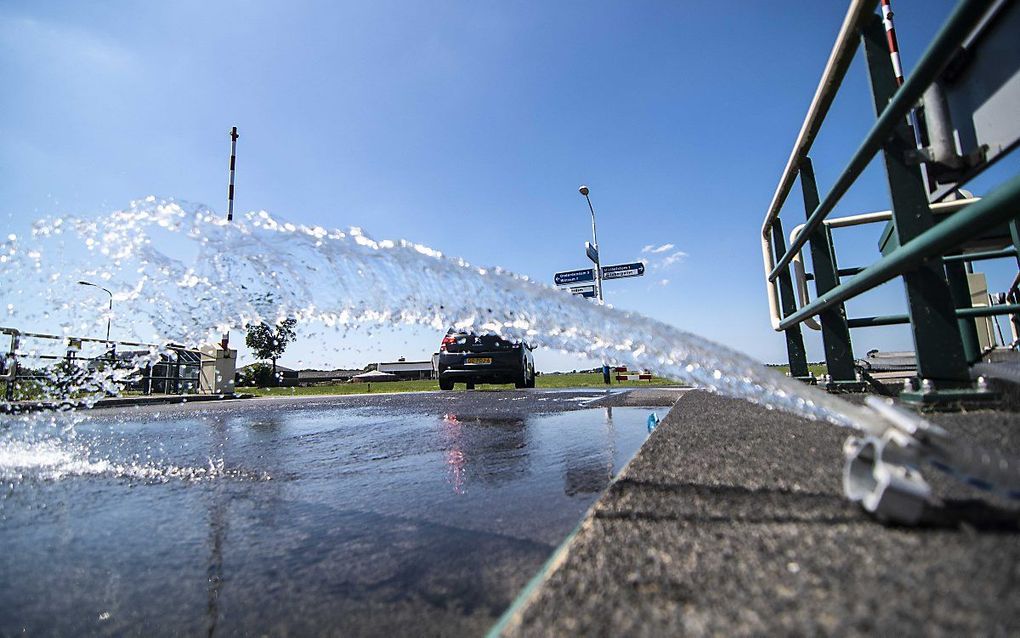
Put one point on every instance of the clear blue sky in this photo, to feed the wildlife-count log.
(465, 126)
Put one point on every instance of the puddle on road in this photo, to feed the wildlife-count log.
(359, 521)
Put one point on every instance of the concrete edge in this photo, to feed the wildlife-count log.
(512, 615)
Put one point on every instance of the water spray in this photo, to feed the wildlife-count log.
(262, 266)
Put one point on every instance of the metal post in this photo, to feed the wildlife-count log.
(839, 354)
(598, 265)
(225, 339)
(959, 288)
(12, 367)
(595, 242)
(937, 339)
(230, 187)
(794, 338)
(178, 387)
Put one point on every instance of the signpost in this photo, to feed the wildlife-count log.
(574, 276)
(619, 271)
(597, 274)
(616, 271)
(583, 291)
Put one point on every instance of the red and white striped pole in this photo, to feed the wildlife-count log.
(230, 187)
(890, 36)
(894, 55)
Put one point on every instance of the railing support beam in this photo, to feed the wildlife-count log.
(937, 339)
(839, 354)
(956, 273)
(794, 338)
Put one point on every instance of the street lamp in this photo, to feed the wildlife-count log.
(109, 316)
(598, 267)
(594, 242)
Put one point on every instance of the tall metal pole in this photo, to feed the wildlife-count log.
(225, 340)
(109, 317)
(595, 242)
(230, 187)
(598, 267)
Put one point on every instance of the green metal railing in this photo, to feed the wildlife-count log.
(1001, 206)
(61, 370)
(934, 280)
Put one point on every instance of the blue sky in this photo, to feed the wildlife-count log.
(465, 126)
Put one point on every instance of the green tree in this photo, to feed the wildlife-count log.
(269, 342)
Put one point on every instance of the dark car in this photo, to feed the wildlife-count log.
(469, 358)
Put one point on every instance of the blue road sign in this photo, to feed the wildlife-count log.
(620, 271)
(583, 291)
(574, 276)
(591, 251)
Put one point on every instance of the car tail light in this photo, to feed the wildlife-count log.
(447, 340)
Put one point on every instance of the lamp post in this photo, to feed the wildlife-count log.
(109, 316)
(598, 267)
(595, 243)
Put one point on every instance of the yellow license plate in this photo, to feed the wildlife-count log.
(478, 360)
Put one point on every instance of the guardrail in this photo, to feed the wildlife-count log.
(922, 230)
(114, 366)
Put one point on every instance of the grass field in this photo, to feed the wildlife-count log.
(817, 368)
(579, 380)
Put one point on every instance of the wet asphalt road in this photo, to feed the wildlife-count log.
(419, 513)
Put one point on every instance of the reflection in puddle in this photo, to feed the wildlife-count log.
(590, 470)
(491, 450)
(455, 458)
(371, 522)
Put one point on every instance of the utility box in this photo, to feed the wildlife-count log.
(218, 368)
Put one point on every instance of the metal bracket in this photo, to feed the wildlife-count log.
(916, 156)
(930, 396)
(926, 155)
(881, 471)
(845, 387)
(881, 475)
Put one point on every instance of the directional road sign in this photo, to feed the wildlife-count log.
(620, 271)
(591, 251)
(574, 276)
(583, 291)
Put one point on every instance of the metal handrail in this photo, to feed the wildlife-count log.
(800, 275)
(961, 313)
(940, 52)
(14, 332)
(13, 358)
(840, 57)
(998, 207)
